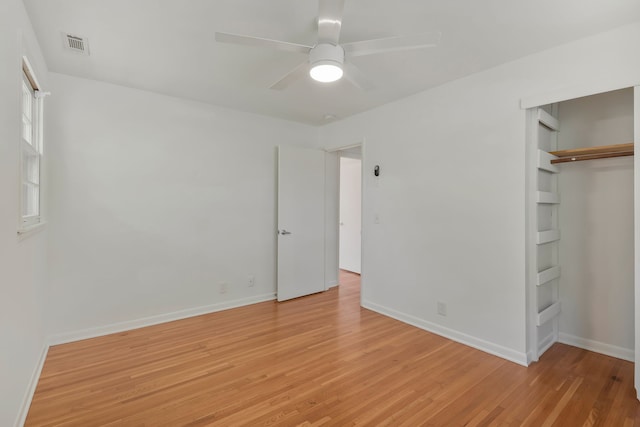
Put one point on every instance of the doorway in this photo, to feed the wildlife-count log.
(333, 218)
(348, 199)
(350, 223)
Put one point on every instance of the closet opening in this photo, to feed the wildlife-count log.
(580, 239)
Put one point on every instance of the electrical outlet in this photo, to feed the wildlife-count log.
(223, 287)
(442, 308)
(251, 281)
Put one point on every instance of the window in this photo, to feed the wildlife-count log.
(30, 150)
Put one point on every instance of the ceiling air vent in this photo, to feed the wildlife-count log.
(76, 44)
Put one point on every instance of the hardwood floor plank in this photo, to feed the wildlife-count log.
(320, 360)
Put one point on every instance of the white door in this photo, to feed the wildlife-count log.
(300, 222)
(350, 214)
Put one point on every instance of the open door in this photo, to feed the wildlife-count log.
(300, 222)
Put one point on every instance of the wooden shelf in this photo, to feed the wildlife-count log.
(590, 153)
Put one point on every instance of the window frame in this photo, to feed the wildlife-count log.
(30, 179)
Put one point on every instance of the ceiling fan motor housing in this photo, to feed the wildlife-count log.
(326, 53)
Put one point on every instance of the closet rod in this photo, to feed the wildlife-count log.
(590, 153)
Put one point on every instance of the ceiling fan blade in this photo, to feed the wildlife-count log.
(330, 20)
(297, 73)
(257, 41)
(392, 44)
(356, 77)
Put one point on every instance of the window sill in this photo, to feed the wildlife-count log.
(31, 229)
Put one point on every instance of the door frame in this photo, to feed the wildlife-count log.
(636, 222)
(363, 187)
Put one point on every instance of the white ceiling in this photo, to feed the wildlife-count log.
(168, 46)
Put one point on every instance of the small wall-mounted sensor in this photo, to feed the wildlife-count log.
(376, 170)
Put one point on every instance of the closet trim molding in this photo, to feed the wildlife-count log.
(577, 91)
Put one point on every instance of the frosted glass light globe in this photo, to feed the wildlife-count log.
(326, 72)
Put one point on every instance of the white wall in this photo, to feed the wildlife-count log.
(450, 197)
(155, 202)
(596, 222)
(22, 259)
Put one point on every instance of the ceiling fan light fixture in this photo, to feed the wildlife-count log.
(326, 71)
(326, 62)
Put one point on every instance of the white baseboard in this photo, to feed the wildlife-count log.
(546, 343)
(530, 358)
(67, 337)
(33, 383)
(598, 347)
(486, 346)
(332, 284)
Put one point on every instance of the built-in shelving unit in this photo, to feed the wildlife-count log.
(548, 275)
(547, 236)
(547, 197)
(545, 162)
(543, 236)
(591, 153)
(579, 251)
(548, 313)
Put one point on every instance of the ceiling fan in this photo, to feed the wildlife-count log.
(328, 59)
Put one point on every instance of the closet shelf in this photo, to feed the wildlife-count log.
(590, 153)
(548, 313)
(545, 197)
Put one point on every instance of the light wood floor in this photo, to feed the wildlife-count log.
(320, 360)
